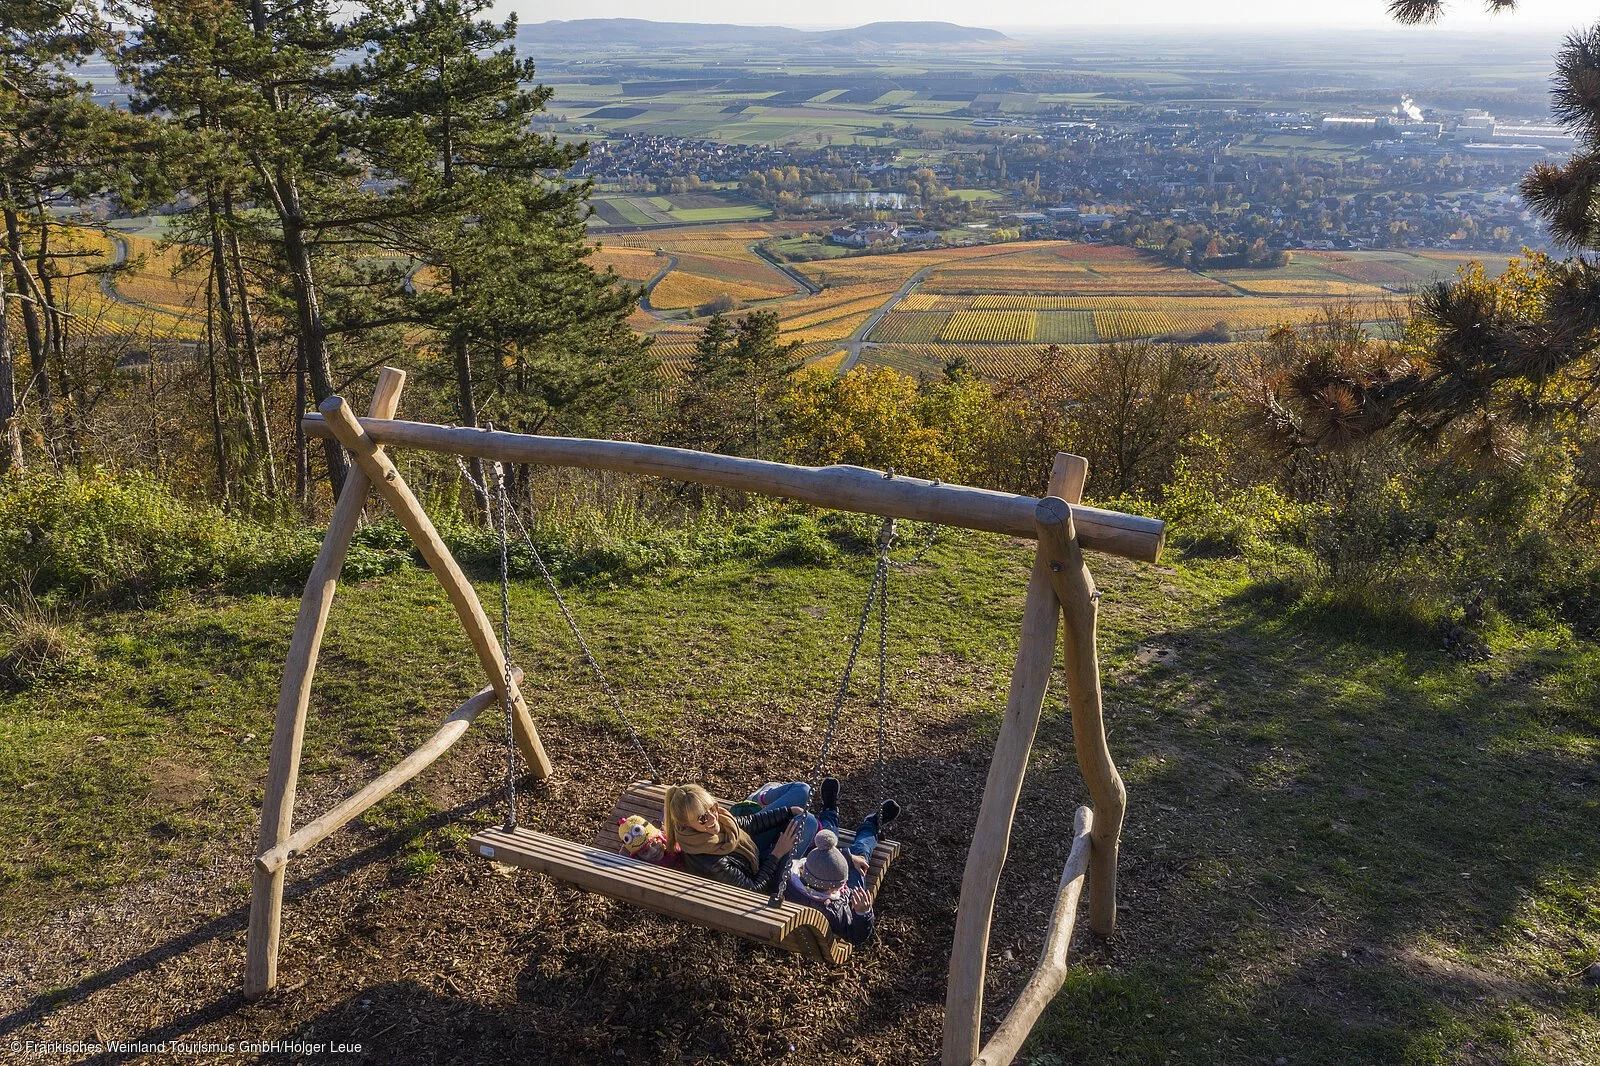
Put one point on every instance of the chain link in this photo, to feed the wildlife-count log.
(880, 579)
(572, 625)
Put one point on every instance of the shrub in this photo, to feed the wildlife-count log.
(96, 533)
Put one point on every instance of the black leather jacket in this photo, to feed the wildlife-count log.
(731, 869)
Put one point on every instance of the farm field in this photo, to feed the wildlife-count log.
(615, 210)
(1013, 297)
(1010, 295)
(145, 301)
(1235, 360)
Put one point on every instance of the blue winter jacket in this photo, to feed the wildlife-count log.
(855, 929)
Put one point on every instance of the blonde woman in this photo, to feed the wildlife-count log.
(719, 845)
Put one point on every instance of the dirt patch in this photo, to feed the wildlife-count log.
(1459, 980)
(470, 963)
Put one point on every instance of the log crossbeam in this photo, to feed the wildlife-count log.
(843, 488)
(316, 831)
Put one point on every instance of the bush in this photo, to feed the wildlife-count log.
(720, 304)
(99, 534)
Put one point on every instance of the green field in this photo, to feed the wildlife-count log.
(710, 205)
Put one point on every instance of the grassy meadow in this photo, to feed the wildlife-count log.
(1342, 845)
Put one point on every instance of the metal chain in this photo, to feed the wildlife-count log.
(505, 648)
(880, 577)
(933, 534)
(577, 634)
(883, 668)
(875, 594)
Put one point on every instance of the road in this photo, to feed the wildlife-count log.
(811, 287)
(649, 286)
(858, 339)
(108, 284)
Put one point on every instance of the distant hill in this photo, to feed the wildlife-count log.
(643, 33)
(895, 33)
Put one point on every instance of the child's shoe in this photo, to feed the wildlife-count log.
(829, 793)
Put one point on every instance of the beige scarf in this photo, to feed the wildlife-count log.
(728, 839)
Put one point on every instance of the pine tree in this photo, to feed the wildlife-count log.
(734, 382)
(534, 335)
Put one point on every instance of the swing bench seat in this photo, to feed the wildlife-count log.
(603, 870)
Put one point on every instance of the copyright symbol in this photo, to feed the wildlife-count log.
(16, 1045)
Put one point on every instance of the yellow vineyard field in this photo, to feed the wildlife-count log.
(827, 313)
(679, 290)
(839, 296)
(1308, 287)
(1129, 325)
(989, 326)
(832, 330)
(914, 327)
(1024, 302)
(635, 264)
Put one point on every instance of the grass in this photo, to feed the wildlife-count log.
(1342, 845)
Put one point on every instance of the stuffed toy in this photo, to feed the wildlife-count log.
(643, 841)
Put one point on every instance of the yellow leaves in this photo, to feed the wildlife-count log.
(870, 417)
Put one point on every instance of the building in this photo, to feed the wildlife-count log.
(865, 234)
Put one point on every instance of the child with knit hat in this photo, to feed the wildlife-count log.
(834, 881)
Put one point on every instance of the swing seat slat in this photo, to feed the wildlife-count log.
(601, 869)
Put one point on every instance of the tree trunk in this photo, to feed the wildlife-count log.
(10, 430)
(239, 413)
(312, 343)
(308, 313)
(302, 458)
(252, 350)
(469, 413)
(218, 446)
(39, 382)
(55, 343)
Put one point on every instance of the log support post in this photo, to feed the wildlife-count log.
(1060, 587)
(1080, 603)
(380, 469)
(294, 694)
(991, 838)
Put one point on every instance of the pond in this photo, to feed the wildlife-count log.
(897, 201)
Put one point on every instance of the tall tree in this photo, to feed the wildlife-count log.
(532, 332)
(734, 382)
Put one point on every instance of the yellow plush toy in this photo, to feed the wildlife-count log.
(643, 841)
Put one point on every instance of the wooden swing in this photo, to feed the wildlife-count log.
(602, 868)
(1060, 590)
(599, 868)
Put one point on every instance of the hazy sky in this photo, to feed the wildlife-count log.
(1463, 15)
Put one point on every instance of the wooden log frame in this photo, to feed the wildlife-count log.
(1060, 586)
(294, 695)
(315, 832)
